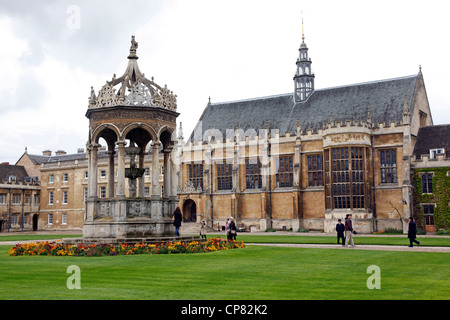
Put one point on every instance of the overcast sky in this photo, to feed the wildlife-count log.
(52, 52)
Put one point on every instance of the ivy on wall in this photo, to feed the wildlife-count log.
(440, 197)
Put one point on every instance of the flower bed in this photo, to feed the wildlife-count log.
(61, 249)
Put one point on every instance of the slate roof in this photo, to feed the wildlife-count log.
(432, 137)
(384, 99)
(40, 159)
(7, 170)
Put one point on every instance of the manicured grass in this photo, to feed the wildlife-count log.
(255, 272)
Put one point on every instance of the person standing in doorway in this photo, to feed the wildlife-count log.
(412, 232)
(340, 228)
(349, 231)
(177, 218)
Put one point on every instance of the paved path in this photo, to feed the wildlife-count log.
(357, 247)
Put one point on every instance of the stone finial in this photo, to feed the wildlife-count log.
(133, 48)
(92, 97)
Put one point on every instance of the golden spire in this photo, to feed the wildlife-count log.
(303, 29)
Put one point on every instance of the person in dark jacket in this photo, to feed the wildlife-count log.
(340, 232)
(233, 230)
(412, 232)
(177, 218)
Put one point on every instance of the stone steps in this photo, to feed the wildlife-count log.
(192, 228)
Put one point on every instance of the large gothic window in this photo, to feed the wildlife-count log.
(196, 175)
(388, 166)
(224, 176)
(253, 177)
(315, 171)
(285, 175)
(345, 180)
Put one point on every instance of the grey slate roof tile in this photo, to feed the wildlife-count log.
(384, 99)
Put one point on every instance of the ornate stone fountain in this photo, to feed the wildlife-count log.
(135, 109)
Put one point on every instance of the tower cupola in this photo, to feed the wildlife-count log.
(304, 78)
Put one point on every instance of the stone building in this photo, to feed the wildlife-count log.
(306, 158)
(63, 185)
(289, 161)
(431, 178)
(19, 199)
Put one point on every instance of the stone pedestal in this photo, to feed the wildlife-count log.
(128, 218)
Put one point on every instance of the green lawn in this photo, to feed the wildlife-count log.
(255, 272)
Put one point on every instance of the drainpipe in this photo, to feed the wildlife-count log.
(374, 213)
(211, 189)
(23, 204)
(9, 210)
(270, 184)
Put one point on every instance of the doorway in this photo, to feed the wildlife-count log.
(428, 211)
(35, 222)
(189, 211)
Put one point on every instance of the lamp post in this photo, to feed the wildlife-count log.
(133, 173)
(269, 148)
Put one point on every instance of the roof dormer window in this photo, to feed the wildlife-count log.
(435, 152)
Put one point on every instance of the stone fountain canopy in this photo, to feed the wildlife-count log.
(130, 112)
(133, 89)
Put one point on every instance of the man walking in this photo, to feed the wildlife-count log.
(340, 228)
(412, 232)
(349, 231)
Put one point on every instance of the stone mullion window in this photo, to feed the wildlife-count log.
(224, 176)
(315, 171)
(196, 175)
(341, 178)
(388, 166)
(345, 178)
(285, 174)
(427, 183)
(357, 178)
(253, 177)
(328, 181)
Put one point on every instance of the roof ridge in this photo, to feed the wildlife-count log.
(253, 99)
(321, 89)
(367, 82)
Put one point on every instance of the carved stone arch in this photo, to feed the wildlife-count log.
(140, 133)
(107, 131)
(167, 136)
(139, 125)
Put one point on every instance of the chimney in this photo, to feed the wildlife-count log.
(80, 150)
(47, 153)
(60, 153)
